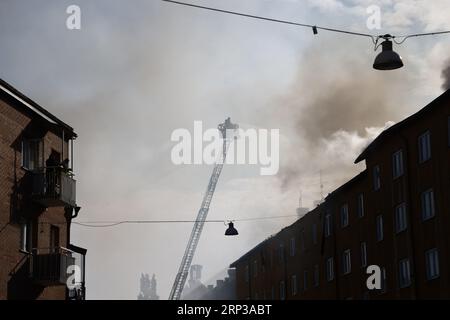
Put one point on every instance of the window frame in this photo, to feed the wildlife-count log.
(379, 234)
(424, 157)
(344, 215)
(423, 203)
(404, 281)
(398, 167)
(346, 262)
(435, 253)
(401, 222)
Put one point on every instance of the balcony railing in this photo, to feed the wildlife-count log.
(49, 266)
(54, 187)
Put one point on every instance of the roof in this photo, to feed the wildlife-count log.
(36, 108)
(347, 184)
(400, 125)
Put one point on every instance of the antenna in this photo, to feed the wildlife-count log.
(321, 185)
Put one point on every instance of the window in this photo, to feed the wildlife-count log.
(247, 274)
(54, 238)
(314, 233)
(316, 275)
(273, 293)
(427, 204)
(360, 205)
(32, 154)
(379, 223)
(330, 269)
(400, 218)
(344, 215)
(282, 290)
(404, 273)
(255, 268)
(305, 280)
(376, 178)
(327, 225)
(432, 263)
(346, 262)
(25, 236)
(294, 285)
(363, 248)
(397, 164)
(424, 147)
(292, 247)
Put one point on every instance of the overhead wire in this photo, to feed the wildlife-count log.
(375, 38)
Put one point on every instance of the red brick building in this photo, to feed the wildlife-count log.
(37, 203)
(395, 214)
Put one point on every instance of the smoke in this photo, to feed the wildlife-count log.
(335, 108)
(446, 76)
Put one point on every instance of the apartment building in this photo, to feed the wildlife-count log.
(394, 215)
(37, 203)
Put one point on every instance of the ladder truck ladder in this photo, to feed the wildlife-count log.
(183, 270)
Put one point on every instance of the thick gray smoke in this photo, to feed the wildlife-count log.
(446, 76)
(335, 110)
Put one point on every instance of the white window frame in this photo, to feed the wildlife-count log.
(32, 159)
(432, 263)
(25, 237)
(401, 219)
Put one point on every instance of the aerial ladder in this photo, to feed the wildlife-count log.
(225, 128)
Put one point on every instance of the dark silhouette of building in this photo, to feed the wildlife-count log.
(224, 289)
(37, 203)
(395, 215)
(148, 288)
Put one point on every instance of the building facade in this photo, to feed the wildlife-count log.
(37, 203)
(394, 215)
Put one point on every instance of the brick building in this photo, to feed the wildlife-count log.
(37, 203)
(395, 214)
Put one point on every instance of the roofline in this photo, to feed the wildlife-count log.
(347, 184)
(34, 107)
(399, 126)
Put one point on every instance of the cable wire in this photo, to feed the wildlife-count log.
(314, 27)
(375, 38)
(105, 224)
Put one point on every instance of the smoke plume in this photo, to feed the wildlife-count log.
(446, 76)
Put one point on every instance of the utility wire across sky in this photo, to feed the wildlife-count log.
(104, 224)
(314, 28)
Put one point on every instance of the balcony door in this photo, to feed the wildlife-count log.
(54, 239)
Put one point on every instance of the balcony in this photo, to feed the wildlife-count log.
(49, 266)
(54, 187)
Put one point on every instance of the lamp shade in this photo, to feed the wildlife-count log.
(231, 231)
(387, 59)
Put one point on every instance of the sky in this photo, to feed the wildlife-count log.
(138, 70)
